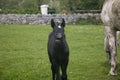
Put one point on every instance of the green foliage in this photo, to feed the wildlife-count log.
(85, 4)
(23, 53)
(20, 11)
(89, 20)
(33, 6)
(18, 6)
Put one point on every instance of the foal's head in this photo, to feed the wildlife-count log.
(58, 29)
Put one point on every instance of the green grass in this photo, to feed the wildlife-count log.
(23, 53)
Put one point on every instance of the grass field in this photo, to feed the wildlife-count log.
(23, 53)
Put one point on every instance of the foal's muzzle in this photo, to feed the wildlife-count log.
(59, 37)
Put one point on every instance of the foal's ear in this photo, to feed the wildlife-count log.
(63, 22)
(52, 23)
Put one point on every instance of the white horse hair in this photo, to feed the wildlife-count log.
(110, 16)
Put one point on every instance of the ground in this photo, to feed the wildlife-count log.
(23, 53)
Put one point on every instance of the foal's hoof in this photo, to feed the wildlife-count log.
(112, 74)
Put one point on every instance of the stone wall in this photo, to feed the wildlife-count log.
(44, 19)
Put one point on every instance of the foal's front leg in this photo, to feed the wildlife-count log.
(53, 71)
(58, 77)
(64, 69)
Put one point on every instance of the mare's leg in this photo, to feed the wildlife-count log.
(118, 32)
(64, 69)
(106, 45)
(113, 51)
(112, 48)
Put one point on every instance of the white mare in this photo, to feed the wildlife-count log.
(110, 16)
